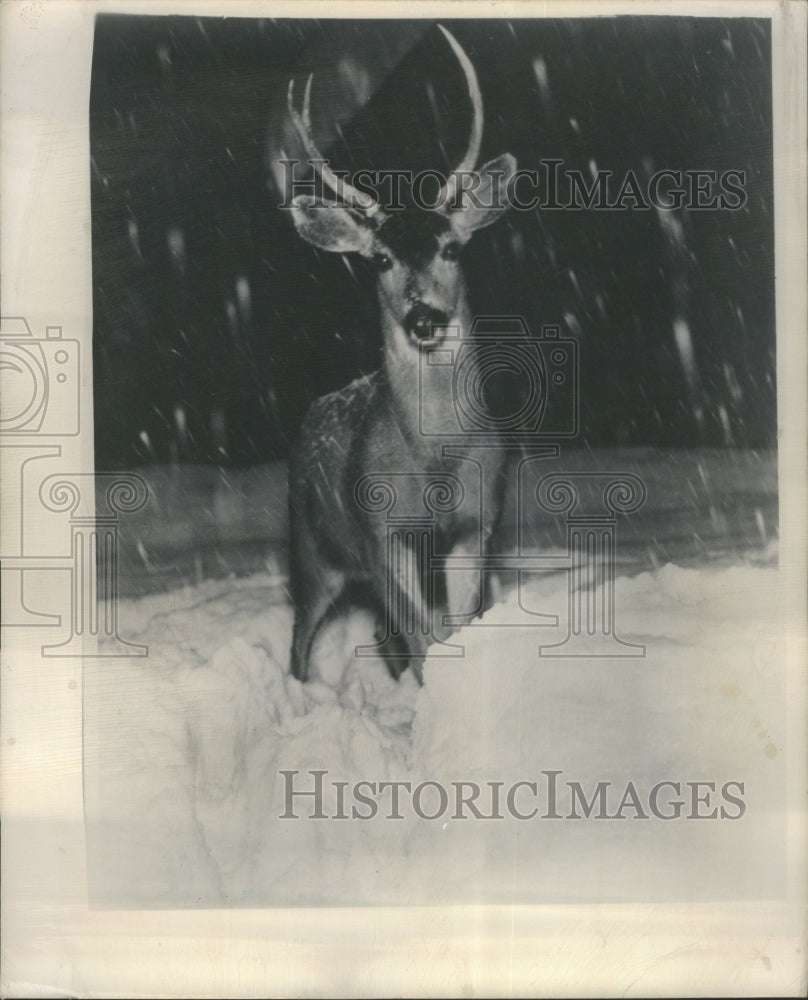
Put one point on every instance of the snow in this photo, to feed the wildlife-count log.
(184, 751)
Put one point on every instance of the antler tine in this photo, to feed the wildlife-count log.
(303, 128)
(469, 161)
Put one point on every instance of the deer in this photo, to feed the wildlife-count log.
(341, 568)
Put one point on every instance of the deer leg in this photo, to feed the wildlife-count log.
(318, 596)
(407, 625)
(466, 591)
(334, 644)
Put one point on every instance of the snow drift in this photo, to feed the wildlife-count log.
(185, 754)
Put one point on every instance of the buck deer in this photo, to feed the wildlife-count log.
(339, 555)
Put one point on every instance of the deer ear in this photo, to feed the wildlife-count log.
(336, 228)
(486, 203)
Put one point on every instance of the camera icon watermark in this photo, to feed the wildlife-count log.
(502, 380)
(62, 520)
(41, 386)
(512, 399)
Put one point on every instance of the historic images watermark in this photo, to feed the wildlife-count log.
(41, 406)
(549, 186)
(549, 795)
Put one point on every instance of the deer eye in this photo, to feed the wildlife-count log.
(451, 251)
(382, 261)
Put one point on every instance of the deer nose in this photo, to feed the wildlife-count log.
(421, 321)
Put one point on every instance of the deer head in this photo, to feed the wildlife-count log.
(419, 283)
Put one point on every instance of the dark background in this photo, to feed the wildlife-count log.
(215, 324)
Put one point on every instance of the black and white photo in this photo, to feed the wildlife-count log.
(408, 488)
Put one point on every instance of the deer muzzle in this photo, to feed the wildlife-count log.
(424, 322)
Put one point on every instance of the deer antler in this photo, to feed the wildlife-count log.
(346, 191)
(302, 124)
(469, 161)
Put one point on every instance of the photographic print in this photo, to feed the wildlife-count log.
(411, 496)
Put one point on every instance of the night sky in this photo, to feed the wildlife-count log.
(215, 325)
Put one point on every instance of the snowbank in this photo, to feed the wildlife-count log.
(184, 753)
